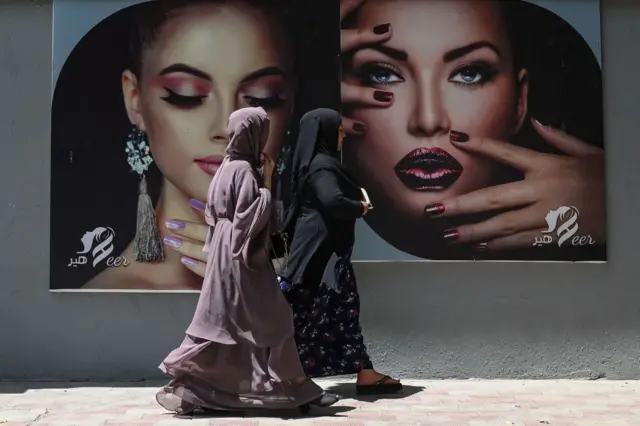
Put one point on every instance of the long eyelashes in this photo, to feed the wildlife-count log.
(467, 76)
(188, 102)
(473, 75)
(380, 74)
(182, 101)
(266, 103)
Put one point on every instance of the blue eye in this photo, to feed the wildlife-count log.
(472, 75)
(467, 76)
(380, 74)
(383, 77)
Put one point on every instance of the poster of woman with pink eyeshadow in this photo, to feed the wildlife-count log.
(475, 127)
(142, 91)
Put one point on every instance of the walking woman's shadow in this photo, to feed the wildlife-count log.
(348, 391)
(333, 411)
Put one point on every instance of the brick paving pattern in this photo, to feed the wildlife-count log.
(446, 403)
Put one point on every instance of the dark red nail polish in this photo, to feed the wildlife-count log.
(381, 29)
(481, 247)
(458, 136)
(434, 209)
(382, 96)
(359, 127)
(451, 235)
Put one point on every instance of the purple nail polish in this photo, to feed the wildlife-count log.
(187, 261)
(195, 204)
(173, 242)
(175, 225)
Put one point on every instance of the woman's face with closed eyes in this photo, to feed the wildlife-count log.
(206, 62)
(450, 68)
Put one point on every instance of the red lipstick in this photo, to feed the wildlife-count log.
(211, 164)
(428, 169)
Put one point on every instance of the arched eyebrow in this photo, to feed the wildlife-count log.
(451, 55)
(392, 52)
(264, 72)
(459, 52)
(187, 69)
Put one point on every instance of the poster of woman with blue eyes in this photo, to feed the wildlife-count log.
(476, 127)
(483, 128)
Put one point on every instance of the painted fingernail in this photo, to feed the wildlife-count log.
(381, 29)
(450, 235)
(175, 225)
(434, 209)
(359, 127)
(173, 242)
(481, 247)
(195, 204)
(187, 261)
(382, 96)
(458, 136)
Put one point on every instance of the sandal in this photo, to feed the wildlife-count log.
(379, 388)
(326, 400)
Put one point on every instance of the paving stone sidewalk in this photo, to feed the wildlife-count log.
(447, 403)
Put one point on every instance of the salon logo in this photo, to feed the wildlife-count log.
(564, 223)
(98, 245)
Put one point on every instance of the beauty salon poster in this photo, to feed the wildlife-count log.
(455, 165)
(454, 160)
(148, 87)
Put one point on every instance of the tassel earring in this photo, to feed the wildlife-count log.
(147, 245)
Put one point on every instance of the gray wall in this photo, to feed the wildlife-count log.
(421, 320)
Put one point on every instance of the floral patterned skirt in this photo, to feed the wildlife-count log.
(327, 323)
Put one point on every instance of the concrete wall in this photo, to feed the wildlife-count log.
(421, 320)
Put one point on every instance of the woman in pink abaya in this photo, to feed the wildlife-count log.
(239, 351)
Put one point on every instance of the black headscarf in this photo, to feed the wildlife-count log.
(316, 149)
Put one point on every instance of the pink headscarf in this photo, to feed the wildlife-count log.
(248, 130)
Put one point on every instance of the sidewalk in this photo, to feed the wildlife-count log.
(447, 403)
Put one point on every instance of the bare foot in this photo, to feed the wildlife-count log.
(301, 380)
(372, 377)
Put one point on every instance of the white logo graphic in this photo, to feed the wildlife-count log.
(100, 243)
(564, 222)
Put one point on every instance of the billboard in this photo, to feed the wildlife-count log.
(141, 95)
(484, 130)
(476, 127)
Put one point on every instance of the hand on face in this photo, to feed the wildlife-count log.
(193, 256)
(357, 95)
(551, 181)
(191, 248)
(269, 167)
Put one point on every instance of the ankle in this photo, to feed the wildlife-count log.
(298, 381)
(367, 373)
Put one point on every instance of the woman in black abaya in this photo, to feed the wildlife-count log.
(317, 278)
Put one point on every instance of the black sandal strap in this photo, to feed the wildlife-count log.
(383, 380)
